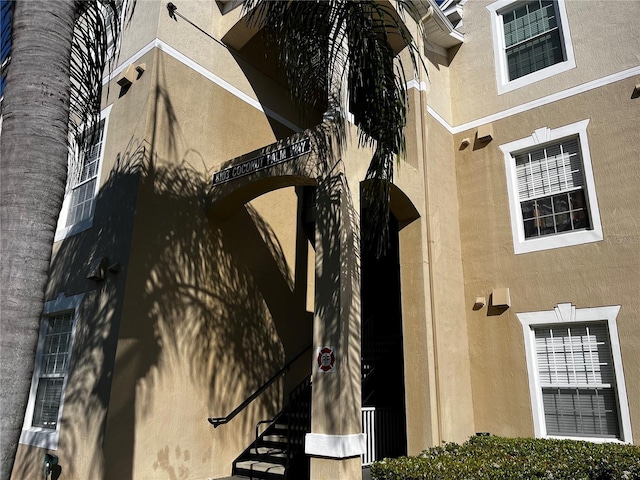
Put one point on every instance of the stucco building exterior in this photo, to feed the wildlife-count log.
(204, 249)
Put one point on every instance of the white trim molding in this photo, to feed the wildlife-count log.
(335, 446)
(505, 85)
(43, 437)
(182, 58)
(566, 313)
(525, 107)
(538, 138)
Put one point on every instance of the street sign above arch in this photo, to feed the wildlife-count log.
(288, 162)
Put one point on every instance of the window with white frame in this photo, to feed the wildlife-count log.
(576, 378)
(531, 41)
(551, 189)
(79, 203)
(42, 420)
(83, 189)
(53, 368)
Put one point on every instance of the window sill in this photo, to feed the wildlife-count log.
(587, 439)
(74, 229)
(559, 240)
(509, 86)
(40, 437)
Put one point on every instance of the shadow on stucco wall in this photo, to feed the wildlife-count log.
(183, 328)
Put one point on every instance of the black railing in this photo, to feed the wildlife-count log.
(217, 421)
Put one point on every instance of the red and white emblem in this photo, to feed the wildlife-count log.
(326, 359)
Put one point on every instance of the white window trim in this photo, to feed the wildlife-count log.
(566, 313)
(541, 137)
(63, 231)
(502, 74)
(43, 437)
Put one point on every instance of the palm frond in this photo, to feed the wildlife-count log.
(96, 32)
(321, 42)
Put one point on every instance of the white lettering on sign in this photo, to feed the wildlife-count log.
(267, 160)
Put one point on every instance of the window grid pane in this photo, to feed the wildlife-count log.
(555, 214)
(53, 368)
(82, 200)
(56, 344)
(575, 367)
(587, 413)
(82, 195)
(532, 38)
(47, 404)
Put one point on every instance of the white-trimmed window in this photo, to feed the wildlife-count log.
(576, 378)
(41, 426)
(531, 41)
(551, 189)
(82, 187)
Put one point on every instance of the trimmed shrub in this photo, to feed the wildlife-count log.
(489, 457)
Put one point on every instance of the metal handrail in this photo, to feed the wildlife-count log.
(217, 421)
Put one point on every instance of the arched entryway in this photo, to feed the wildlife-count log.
(336, 441)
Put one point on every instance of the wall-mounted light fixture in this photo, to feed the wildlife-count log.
(131, 74)
(50, 461)
(500, 297)
(485, 132)
(127, 77)
(97, 268)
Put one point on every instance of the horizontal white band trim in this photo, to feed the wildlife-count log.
(169, 50)
(335, 446)
(578, 89)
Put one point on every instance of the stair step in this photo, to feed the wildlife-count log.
(268, 451)
(254, 467)
(275, 438)
(280, 427)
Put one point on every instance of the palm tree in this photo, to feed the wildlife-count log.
(58, 53)
(337, 57)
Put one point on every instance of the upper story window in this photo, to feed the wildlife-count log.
(79, 203)
(83, 189)
(531, 41)
(551, 189)
(41, 426)
(576, 377)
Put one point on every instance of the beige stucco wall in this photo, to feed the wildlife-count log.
(449, 321)
(604, 43)
(201, 328)
(596, 274)
(205, 309)
(195, 327)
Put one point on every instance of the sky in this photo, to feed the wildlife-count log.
(5, 36)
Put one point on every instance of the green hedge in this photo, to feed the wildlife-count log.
(489, 457)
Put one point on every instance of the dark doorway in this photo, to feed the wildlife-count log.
(383, 396)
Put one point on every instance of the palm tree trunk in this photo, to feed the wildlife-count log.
(33, 151)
